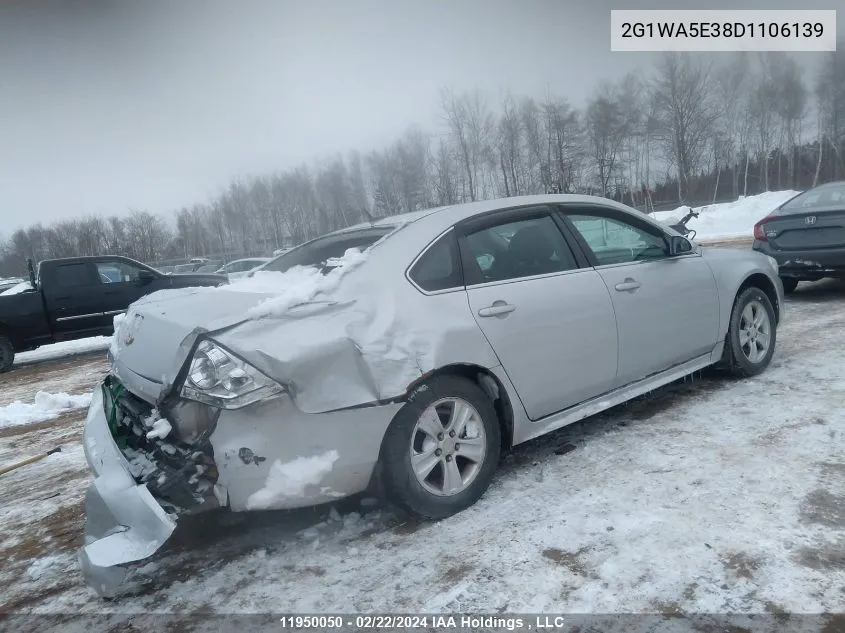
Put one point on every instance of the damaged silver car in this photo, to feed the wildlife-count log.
(402, 357)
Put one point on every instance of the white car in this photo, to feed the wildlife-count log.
(240, 267)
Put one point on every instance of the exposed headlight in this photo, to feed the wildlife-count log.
(219, 378)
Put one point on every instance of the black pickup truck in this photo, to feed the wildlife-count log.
(79, 297)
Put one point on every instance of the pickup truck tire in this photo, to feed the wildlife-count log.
(7, 354)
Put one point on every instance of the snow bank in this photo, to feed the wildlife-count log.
(46, 407)
(295, 286)
(17, 289)
(728, 219)
(290, 479)
(65, 348)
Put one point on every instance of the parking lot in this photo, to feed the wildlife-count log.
(711, 495)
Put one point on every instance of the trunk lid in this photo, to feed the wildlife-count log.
(806, 229)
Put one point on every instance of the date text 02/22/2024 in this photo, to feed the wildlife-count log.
(410, 622)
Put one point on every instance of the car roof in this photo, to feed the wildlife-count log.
(458, 212)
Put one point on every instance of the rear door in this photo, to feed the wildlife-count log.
(73, 293)
(667, 308)
(547, 315)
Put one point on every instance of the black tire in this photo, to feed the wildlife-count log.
(401, 485)
(789, 284)
(738, 362)
(7, 354)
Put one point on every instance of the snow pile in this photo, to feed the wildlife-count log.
(63, 349)
(290, 479)
(728, 219)
(296, 286)
(116, 322)
(17, 289)
(46, 407)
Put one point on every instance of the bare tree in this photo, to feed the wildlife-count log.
(682, 88)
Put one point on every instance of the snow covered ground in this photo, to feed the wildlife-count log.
(64, 349)
(729, 219)
(45, 407)
(710, 496)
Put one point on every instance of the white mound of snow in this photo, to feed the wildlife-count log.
(46, 407)
(729, 219)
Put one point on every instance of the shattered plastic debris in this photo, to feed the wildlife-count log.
(290, 479)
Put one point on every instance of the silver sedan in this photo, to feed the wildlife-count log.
(403, 357)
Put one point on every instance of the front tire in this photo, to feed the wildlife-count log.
(789, 284)
(752, 333)
(442, 448)
(7, 354)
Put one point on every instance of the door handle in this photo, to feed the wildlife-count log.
(498, 308)
(629, 285)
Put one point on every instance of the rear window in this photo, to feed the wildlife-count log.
(818, 198)
(70, 275)
(318, 252)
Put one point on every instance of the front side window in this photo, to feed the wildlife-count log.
(521, 248)
(439, 268)
(319, 252)
(117, 272)
(615, 241)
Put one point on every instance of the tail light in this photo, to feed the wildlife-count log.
(758, 229)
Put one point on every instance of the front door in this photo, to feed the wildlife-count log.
(667, 308)
(549, 319)
(121, 286)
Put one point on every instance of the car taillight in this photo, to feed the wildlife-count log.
(758, 229)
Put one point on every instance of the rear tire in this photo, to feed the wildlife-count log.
(789, 284)
(429, 472)
(752, 333)
(7, 354)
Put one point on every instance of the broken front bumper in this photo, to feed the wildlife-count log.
(123, 523)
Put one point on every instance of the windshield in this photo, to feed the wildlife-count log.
(832, 195)
(318, 252)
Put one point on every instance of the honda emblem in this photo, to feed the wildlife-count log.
(810, 219)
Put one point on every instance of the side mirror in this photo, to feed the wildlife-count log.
(678, 245)
(145, 277)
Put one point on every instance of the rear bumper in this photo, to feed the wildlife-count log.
(123, 522)
(806, 264)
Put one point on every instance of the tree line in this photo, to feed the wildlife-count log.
(690, 129)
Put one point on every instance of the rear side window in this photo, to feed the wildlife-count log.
(439, 268)
(517, 249)
(73, 275)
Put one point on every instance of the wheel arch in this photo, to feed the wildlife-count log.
(489, 383)
(764, 283)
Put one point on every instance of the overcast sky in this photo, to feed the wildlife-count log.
(154, 104)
